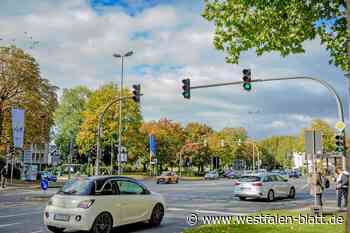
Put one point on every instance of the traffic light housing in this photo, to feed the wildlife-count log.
(186, 87)
(247, 78)
(12, 150)
(339, 142)
(136, 92)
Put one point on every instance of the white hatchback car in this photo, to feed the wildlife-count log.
(267, 186)
(97, 204)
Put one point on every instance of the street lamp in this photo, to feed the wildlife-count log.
(128, 54)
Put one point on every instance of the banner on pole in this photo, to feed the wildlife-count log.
(17, 126)
(153, 149)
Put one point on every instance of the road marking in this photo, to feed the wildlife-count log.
(10, 224)
(302, 188)
(22, 214)
(207, 211)
(36, 231)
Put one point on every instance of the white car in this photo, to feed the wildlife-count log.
(213, 175)
(97, 204)
(267, 186)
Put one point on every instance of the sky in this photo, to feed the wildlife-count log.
(171, 41)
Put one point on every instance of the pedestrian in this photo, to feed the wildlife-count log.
(4, 175)
(317, 186)
(342, 185)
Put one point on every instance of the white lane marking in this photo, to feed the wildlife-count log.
(10, 224)
(36, 231)
(206, 211)
(304, 187)
(22, 214)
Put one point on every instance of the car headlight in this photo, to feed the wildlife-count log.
(86, 204)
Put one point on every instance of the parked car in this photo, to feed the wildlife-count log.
(269, 186)
(212, 175)
(294, 174)
(97, 204)
(168, 177)
(48, 176)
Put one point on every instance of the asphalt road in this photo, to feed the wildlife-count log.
(201, 197)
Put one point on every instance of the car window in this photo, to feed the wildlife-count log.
(107, 189)
(279, 178)
(274, 178)
(129, 188)
(249, 178)
(267, 179)
(78, 186)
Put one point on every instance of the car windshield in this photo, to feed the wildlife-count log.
(78, 186)
(166, 174)
(249, 178)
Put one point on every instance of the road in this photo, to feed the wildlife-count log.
(202, 197)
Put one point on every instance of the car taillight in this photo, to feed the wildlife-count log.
(257, 184)
(237, 183)
(86, 204)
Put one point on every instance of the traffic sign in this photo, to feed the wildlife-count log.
(340, 126)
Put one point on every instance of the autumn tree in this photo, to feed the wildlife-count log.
(131, 122)
(21, 85)
(282, 26)
(170, 138)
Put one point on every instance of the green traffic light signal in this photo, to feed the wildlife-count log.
(247, 86)
(247, 78)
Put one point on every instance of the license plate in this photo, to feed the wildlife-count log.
(61, 217)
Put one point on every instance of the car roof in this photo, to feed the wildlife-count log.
(104, 178)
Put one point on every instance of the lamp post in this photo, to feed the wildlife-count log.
(122, 56)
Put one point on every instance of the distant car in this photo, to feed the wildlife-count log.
(98, 204)
(268, 186)
(294, 174)
(168, 177)
(212, 175)
(47, 176)
(282, 173)
(232, 175)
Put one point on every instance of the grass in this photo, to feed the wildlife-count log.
(271, 228)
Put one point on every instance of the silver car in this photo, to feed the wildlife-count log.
(266, 186)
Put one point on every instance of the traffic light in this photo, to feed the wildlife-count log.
(94, 150)
(186, 87)
(339, 142)
(12, 150)
(136, 92)
(247, 78)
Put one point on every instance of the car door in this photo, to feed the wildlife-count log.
(276, 185)
(135, 204)
(284, 186)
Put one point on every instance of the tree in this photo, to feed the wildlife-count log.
(279, 147)
(68, 116)
(280, 26)
(131, 122)
(327, 135)
(21, 85)
(169, 137)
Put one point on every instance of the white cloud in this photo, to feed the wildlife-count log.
(76, 47)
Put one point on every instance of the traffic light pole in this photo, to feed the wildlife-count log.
(322, 82)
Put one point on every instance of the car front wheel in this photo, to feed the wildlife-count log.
(55, 229)
(103, 224)
(157, 215)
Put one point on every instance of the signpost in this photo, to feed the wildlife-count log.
(340, 126)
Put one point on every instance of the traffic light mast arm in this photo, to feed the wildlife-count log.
(322, 82)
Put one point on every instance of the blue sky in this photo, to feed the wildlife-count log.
(171, 41)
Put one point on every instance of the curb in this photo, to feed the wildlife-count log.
(41, 198)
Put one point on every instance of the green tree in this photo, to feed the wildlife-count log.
(326, 131)
(282, 26)
(68, 116)
(280, 147)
